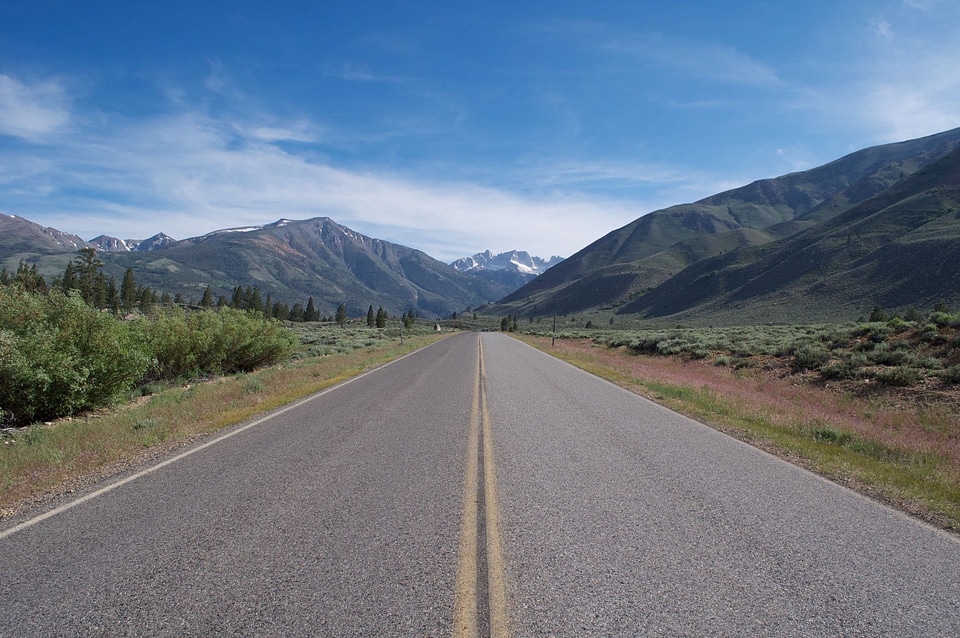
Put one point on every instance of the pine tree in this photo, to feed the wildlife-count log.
(296, 312)
(382, 317)
(30, 279)
(88, 268)
(207, 300)
(113, 297)
(310, 314)
(128, 291)
(342, 315)
(268, 307)
(255, 302)
(371, 321)
(237, 300)
(146, 299)
(69, 281)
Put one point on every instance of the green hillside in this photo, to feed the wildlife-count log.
(620, 270)
(898, 250)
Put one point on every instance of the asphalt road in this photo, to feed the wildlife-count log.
(426, 499)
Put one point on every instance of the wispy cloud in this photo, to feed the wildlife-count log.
(703, 60)
(881, 27)
(189, 173)
(910, 84)
(32, 111)
(680, 56)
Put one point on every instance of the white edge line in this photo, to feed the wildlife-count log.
(153, 468)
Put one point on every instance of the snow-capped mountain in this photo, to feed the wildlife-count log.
(515, 260)
(158, 241)
(107, 244)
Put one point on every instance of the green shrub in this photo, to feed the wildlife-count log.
(209, 342)
(809, 357)
(59, 356)
(882, 355)
(898, 325)
(843, 370)
(941, 319)
(927, 333)
(900, 376)
(928, 363)
(952, 374)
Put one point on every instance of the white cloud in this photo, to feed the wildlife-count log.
(190, 173)
(32, 111)
(912, 87)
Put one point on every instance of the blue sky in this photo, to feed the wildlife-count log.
(452, 127)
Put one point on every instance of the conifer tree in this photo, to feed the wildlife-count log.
(30, 279)
(255, 302)
(371, 321)
(88, 272)
(207, 300)
(146, 299)
(310, 314)
(128, 291)
(342, 315)
(296, 312)
(69, 281)
(112, 302)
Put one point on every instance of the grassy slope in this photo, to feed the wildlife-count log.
(898, 249)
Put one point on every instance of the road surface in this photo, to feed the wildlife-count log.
(475, 487)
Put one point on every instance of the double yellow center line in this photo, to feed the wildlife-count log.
(480, 605)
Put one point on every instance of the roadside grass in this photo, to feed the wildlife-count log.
(905, 453)
(45, 459)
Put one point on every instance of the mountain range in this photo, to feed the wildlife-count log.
(512, 269)
(289, 259)
(877, 227)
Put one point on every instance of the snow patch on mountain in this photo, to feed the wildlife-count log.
(515, 260)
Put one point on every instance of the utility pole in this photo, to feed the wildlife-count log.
(553, 339)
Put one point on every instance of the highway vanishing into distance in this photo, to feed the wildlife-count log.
(475, 487)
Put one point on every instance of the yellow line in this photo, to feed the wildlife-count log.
(496, 583)
(465, 597)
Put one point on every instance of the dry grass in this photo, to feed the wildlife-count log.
(898, 445)
(44, 460)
